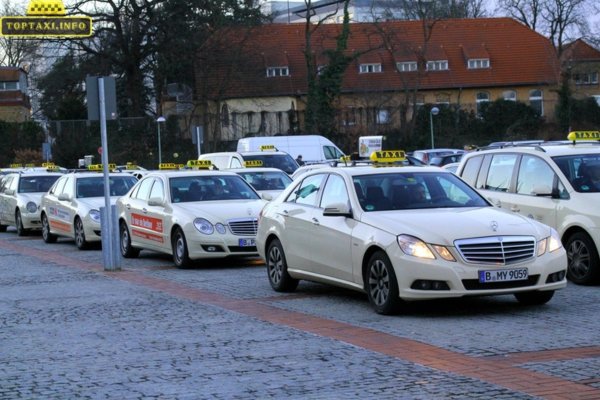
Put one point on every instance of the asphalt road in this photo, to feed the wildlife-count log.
(70, 330)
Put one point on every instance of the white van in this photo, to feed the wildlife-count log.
(312, 148)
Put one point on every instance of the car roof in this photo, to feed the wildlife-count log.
(187, 173)
(552, 149)
(255, 169)
(371, 170)
(263, 153)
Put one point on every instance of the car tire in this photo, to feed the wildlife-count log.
(80, 240)
(277, 269)
(181, 256)
(583, 263)
(127, 251)
(21, 231)
(46, 235)
(381, 285)
(534, 298)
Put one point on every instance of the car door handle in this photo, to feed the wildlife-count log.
(315, 221)
(285, 213)
(515, 208)
(128, 206)
(144, 210)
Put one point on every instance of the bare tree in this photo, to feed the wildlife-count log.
(16, 52)
(427, 9)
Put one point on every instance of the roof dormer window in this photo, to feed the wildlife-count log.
(370, 68)
(278, 71)
(438, 65)
(407, 66)
(479, 63)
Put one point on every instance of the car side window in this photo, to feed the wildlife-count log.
(306, 192)
(534, 172)
(158, 190)
(335, 191)
(59, 186)
(471, 169)
(69, 187)
(6, 183)
(236, 163)
(500, 172)
(143, 193)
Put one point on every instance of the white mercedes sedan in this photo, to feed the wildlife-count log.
(405, 233)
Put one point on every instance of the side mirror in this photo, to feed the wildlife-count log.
(156, 201)
(267, 196)
(64, 197)
(543, 191)
(9, 192)
(337, 210)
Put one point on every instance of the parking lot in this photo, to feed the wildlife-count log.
(69, 329)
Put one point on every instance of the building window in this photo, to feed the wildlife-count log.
(278, 71)
(482, 98)
(9, 85)
(349, 117)
(536, 101)
(408, 66)
(509, 95)
(370, 68)
(439, 65)
(320, 69)
(590, 78)
(382, 116)
(478, 63)
(224, 115)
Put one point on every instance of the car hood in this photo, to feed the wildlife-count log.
(220, 211)
(96, 202)
(444, 226)
(27, 197)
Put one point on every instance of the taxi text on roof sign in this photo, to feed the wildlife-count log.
(584, 135)
(253, 163)
(46, 19)
(388, 156)
(205, 164)
(268, 147)
(98, 167)
(168, 166)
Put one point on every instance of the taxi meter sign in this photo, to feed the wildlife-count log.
(253, 163)
(199, 164)
(584, 135)
(387, 156)
(46, 19)
(268, 147)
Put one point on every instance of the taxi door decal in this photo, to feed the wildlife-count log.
(149, 225)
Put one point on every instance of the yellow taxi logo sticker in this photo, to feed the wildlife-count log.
(46, 19)
(99, 167)
(253, 163)
(267, 147)
(584, 135)
(167, 166)
(199, 164)
(388, 156)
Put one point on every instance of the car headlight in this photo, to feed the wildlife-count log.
(550, 244)
(95, 216)
(204, 226)
(31, 207)
(444, 253)
(220, 228)
(412, 246)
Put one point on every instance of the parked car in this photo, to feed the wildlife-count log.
(405, 233)
(428, 154)
(550, 183)
(440, 161)
(266, 181)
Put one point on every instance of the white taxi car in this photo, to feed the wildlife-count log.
(71, 208)
(191, 215)
(20, 196)
(405, 233)
(556, 183)
(268, 182)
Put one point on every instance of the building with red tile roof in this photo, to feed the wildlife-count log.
(259, 84)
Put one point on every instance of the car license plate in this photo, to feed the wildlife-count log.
(503, 275)
(247, 242)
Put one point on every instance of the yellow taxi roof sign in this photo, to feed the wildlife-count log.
(15, 165)
(584, 135)
(253, 163)
(48, 165)
(168, 166)
(268, 147)
(199, 164)
(99, 167)
(388, 156)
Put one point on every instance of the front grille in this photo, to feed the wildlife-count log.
(243, 227)
(497, 250)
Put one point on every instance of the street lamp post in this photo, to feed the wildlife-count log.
(432, 112)
(158, 121)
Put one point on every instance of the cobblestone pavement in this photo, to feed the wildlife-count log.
(70, 330)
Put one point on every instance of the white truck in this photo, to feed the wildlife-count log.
(312, 148)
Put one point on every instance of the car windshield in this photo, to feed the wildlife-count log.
(210, 188)
(94, 186)
(284, 162)
(414, 190)
(36, 184)
(266, 180)
(582, 171)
